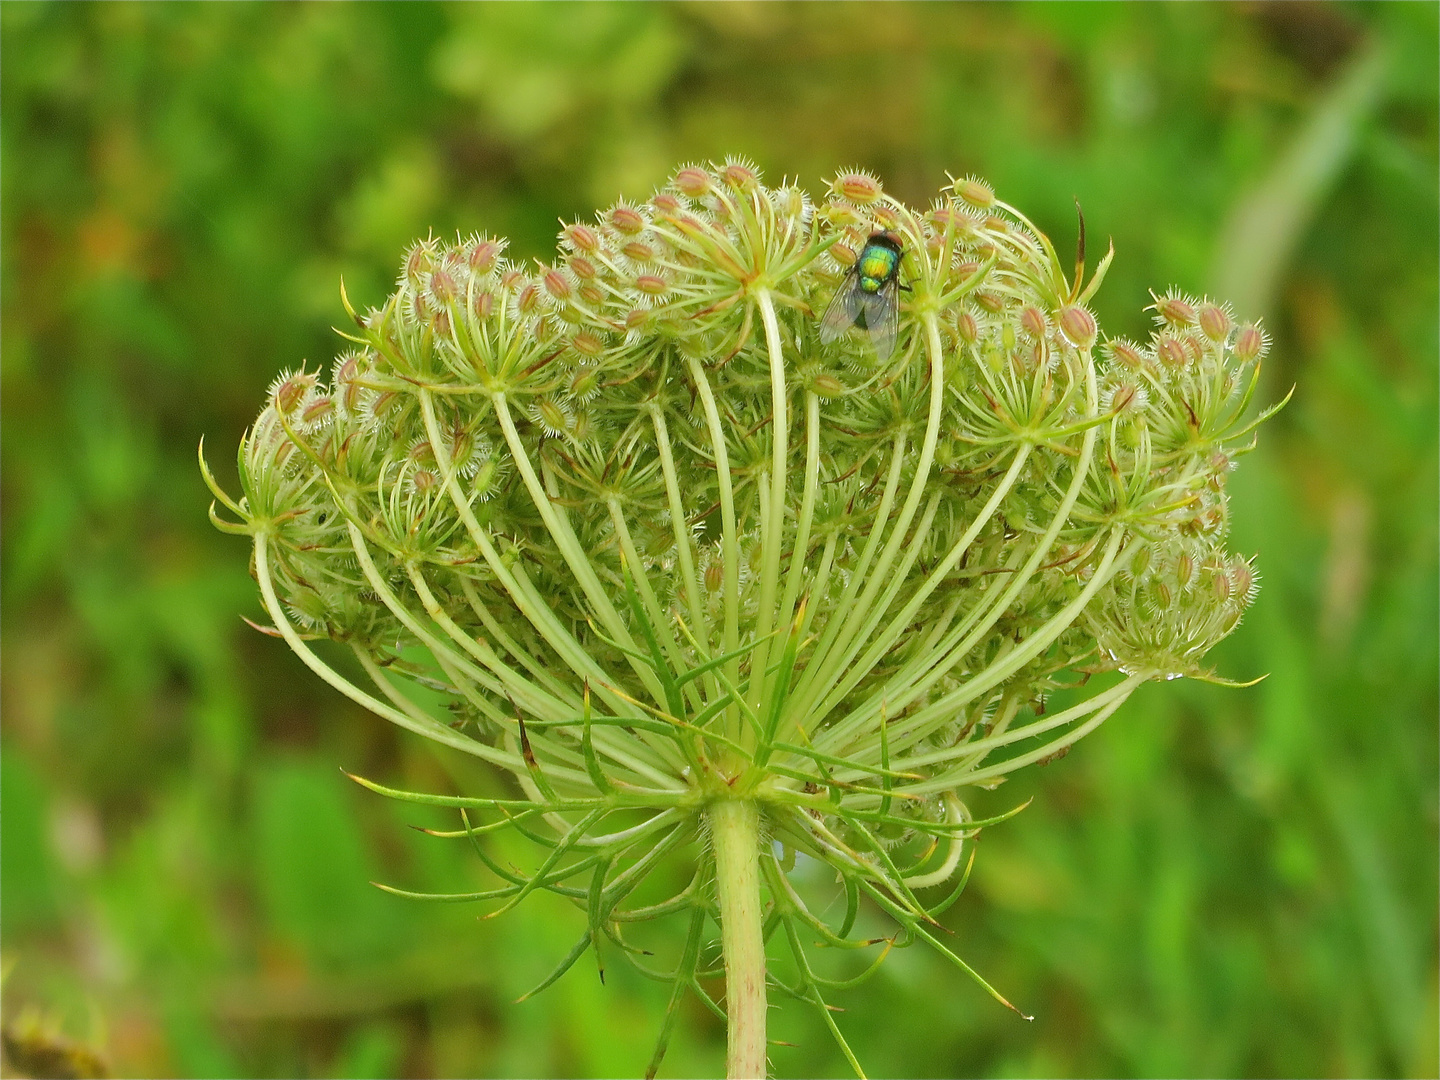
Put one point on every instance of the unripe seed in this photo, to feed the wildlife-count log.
(482, 256)
(1250, 343)
(694, 182)
(1214, 322)
(557, 285)
(975, 192)
(967, 328)
(1171, 352)
(1174, 311)
(652, 284)
(1032, 321)
(1078, 325)
(826, 385)
(582, 238)
(627, 220)
(858, 187)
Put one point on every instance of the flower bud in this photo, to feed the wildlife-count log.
(581, 267)
(975, 192)
(1032, 321)
(1078, 325)
(665, 203)
(483, 305)
(652, 284)
(1214, 322)
(858, 187)
(990, 302)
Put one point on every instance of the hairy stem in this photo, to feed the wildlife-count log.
(735, 837)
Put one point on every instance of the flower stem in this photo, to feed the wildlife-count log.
(735, 835)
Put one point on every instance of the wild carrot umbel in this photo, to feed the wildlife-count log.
(715, 587)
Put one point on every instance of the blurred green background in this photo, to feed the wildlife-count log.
(1218, 883)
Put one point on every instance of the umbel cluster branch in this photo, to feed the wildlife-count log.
(719, 578)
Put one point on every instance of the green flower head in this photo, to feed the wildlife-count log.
(666, 536)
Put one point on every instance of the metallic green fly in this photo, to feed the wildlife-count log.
(869, 296)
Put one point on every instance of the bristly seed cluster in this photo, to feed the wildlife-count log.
(658, 545)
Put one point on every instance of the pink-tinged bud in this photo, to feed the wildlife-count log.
(991, 302)
(665, 203)
(637, 319)
(826, 385)
(740, 175)
(591, 293)
(1194, 346)
(627, 219)
(844, 254)
(885, 217)
(1214, 322)
(424, 481)
(694, 182)
(1174, 311)
(482, 256)
(440, 323)
(1171, 352)
(582, 238)
(860, 188)
(1251, 343)
(652, 284)
(714, 577)
(1032, 321)
(442, 285)
(1078, 325)
(290, 391)
(581, 267)
(975, 192)
(639, 251)
(967, 328)
(511, 279)
(1222, 586)
(483, 305)
(558, 285)
(1221, 463)
(587, 344)
(966, 268)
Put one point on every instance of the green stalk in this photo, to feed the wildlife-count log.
(735, 840)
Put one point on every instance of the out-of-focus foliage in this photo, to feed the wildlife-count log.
(1218, 882)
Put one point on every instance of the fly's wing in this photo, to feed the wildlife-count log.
(844, 309)
(882, 312)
